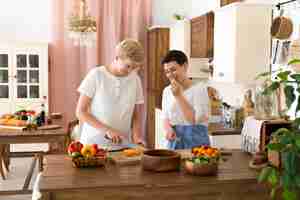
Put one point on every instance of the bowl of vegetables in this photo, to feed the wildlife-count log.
(204, 161)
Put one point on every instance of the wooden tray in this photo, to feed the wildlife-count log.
(49, 127)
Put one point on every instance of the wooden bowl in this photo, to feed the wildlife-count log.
(201, 169)
(161, 160)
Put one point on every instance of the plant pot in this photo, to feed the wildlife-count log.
(209, 169)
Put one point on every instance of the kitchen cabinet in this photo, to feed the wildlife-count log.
(202, 36)
(158, 46)
(242, 42)
(194, 37)
(226, 2)
(23, 76)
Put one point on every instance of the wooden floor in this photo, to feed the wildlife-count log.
(15, 179)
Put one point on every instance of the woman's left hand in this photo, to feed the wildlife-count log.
(176, 88)
(138, 140)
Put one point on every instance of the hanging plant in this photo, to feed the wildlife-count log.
(177, 16)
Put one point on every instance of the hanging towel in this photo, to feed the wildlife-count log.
(251, 134)
(36, 194)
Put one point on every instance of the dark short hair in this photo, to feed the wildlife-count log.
(175, 55)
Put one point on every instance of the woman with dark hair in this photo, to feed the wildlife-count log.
(185, 105)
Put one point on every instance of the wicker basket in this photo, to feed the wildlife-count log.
(83, 162)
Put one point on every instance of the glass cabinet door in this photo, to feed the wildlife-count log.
(4, 76)
(28, 76)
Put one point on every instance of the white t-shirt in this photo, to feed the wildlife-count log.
(196, 95)
(113, 102)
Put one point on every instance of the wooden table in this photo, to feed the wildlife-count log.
(8, 136)
(235, 181)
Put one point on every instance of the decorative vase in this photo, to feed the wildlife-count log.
(266, 106)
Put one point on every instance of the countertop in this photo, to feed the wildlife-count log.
(224, 131)
(61, 180)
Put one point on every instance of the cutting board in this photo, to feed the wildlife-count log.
(49, 127)
(18, 128)
(119, 159)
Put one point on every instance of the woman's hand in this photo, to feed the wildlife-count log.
(176, 88)
(171, 135)
(115, 136)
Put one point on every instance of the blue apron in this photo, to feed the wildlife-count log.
(188, 136)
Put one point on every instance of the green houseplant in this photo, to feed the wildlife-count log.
(285, 141)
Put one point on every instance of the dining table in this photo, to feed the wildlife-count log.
(15, 136)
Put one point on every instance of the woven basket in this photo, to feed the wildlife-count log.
(282, 28)
(83, 162)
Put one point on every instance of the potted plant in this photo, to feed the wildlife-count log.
(285, 178)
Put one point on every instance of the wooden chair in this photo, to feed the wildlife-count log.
(71, 126)
(4, 159)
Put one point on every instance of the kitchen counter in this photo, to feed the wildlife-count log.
(235, 181)
(224, 131)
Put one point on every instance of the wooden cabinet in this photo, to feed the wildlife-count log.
(158, 46)
(202, 36)
(242, 42)
(226, 2)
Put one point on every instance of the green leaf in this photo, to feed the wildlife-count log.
(264, 174)
(262, 75)
(289, 162)
(276, 146)
(281, 131)
(298, 142)
(288, 195)
(273, 177)
(297, 122)
(294, 61)
(273, 192)
(284, 75)
(298, 105)
(297, 180)
(274, 86)
(296, 77)
(286, 180)
(290, 96)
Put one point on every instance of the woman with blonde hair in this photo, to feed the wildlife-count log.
(110, 97)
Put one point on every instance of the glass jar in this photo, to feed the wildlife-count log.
(266, 105)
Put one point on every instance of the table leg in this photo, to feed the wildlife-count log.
(6, 158)
(41, 158)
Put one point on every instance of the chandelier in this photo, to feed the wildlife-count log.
(82, 27)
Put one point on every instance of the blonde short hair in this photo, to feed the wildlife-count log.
(130, 49)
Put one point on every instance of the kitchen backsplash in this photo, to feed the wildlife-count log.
(231, 93)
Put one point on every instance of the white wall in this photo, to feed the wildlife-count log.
(25, 20)
(163, 10)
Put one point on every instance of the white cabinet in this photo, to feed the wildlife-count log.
(180, 36)
(23, 76)
(242, 42)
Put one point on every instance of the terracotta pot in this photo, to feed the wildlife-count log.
(201, 169)
(161, 160)
(282, 28)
